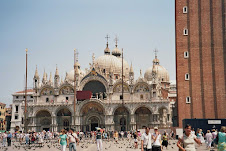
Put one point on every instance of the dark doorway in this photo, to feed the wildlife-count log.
(123, 124)
(46, 129)
(93, 126)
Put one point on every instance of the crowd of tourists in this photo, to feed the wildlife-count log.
(215, 139)
(147, 141)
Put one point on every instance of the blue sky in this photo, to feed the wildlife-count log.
(52, 29)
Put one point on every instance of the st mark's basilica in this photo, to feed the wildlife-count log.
(145, 101)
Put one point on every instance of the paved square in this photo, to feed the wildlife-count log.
(87, 145)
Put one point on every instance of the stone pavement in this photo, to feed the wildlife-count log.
(87, 145)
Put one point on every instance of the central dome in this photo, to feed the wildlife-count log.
(105, 62)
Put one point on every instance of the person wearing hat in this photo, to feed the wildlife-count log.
(156, 136)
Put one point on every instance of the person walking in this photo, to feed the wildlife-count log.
(9, 138)
(72, 139)
(188, 140)
(99, 140)
(63, 140)
(135, 136)
(156, 140)
(27, 138)
(4, 138)
(116, 136)
(222, 139)
(209, 139)
(199, 136)
(165, 139)
(146, 140)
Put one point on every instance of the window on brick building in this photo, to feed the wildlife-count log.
(47, 100)
(186, 54)
(185, 32)
(188, 99)
(16, 117)
(17, 97)
(185, 9)
(187, 77)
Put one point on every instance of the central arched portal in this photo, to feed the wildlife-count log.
(43, 121)
(93, 122)
(92, 116)
(64, 119)
(122, 119)
(143, 117)
(96, 87)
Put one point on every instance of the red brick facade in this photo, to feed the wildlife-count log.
(206, 63)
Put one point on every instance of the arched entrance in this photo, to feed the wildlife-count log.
(96, 87)
(143, 117)
(93, 122)
(122, 119)
(43, 121)
(92, 116)
(64, 118)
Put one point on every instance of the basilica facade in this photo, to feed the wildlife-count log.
(117, 102)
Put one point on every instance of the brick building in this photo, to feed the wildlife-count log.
(200, 58)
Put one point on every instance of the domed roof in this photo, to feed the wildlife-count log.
(107, 50)
(70, 75)
(157, 69)
(107, 62)
(116, 52)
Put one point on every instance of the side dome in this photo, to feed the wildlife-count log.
(116, 52)
(161, 72)
(70, 75)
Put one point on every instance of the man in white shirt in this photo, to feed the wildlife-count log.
(156, 140)
(146, 140)
(73, 138)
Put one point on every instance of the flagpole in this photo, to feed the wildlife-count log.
(122, 80)
(74, 85)
(25, 108)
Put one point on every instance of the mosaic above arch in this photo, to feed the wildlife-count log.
(118, 88)
(47, 91)
(141, 88)
(66, 90)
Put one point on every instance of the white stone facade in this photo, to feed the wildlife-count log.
(52, 105)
